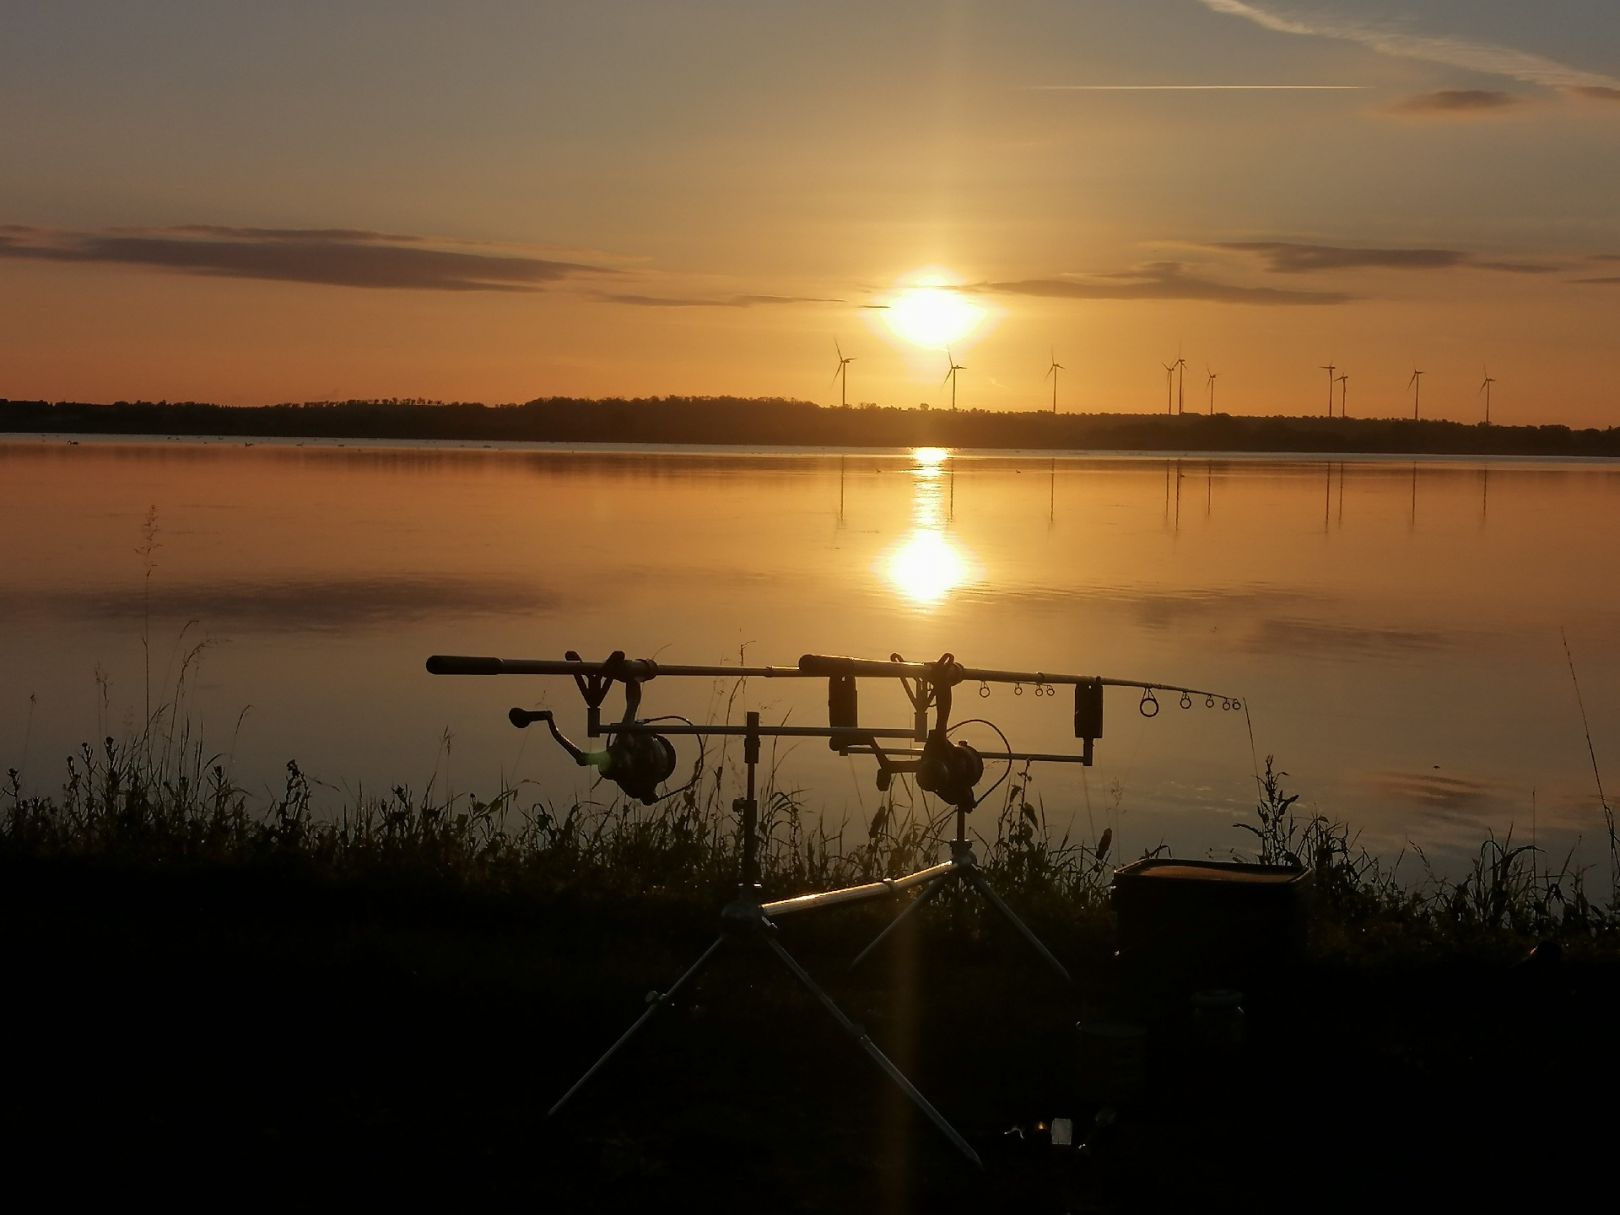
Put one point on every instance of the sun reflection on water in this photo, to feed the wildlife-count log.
(928, 565)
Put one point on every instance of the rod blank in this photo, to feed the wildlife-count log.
(832, 664)
(629, 668)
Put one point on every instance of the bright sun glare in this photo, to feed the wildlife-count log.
(926, 567)
(932, 316)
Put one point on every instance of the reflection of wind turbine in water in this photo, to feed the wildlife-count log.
(841, 372)
(927, 565)
(1052, 373)
(950, 376)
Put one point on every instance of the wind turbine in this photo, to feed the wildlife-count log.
(1209, 382)
(1344, 396)
(1170, 386)
(841, 372)
(1330, 369)
(951, 374)
(1485, 387)
(1181, 382)
(1052, 372)
(1416, 385)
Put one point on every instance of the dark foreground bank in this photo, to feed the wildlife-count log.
(258, 1034)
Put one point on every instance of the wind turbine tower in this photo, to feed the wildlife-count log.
(1209, 382)
(1416, 385)
(1344, 396)
(1485, 387)
(1330, 369)
(1169, 387)
(1052, 372)
(951, 374)
(1181, 383)
(841, 372)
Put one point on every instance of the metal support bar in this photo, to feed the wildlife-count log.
(886, 888)
(1015, 756)
(642, 727)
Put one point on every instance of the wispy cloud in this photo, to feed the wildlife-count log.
(1160, 281)
(1608, 279)
(1450, 50)
(1597, 92)
(337, 257)
(695, 301)
(1452, 103)
(1287, 257)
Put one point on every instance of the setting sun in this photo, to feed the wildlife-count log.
(933, 316)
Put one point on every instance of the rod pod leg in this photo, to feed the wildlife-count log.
(933, 888)
(655, 1001)
(971, 874)
(864, 1041)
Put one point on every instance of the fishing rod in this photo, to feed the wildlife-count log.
(639, 758)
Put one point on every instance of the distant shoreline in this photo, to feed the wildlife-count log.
(731, 422)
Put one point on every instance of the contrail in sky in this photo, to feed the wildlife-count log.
(1524, 66)
(1192, 88)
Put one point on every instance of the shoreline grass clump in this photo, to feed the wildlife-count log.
(173, 806)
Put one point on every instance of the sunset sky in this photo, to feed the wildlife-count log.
(251, 203)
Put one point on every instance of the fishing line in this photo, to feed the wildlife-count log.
(1254, 755)
(1007, 746)
(703, 753)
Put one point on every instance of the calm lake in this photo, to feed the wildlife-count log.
(1393, 628)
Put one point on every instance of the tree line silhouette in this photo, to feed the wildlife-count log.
(779, 421)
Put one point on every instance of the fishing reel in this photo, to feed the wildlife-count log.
(636, 760)
(949, 770)
(637, 763)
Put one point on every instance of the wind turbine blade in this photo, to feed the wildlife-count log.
(838, 348)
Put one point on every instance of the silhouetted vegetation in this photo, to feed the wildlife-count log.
(775, 421)
(379, 999)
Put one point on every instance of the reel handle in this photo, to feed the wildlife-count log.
(522, 717)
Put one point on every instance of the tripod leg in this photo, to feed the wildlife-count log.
(654, 1002)
(933, 888)
(979, 883)
(870, 1047)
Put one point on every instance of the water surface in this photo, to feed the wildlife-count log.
(1393, 627)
